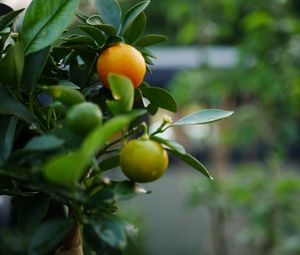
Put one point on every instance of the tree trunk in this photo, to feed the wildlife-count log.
(72, 244)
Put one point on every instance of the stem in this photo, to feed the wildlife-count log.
(72, 244)
(127, 134)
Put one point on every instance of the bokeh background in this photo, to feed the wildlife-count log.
(235, 55)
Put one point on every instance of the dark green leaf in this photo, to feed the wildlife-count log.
(11, 66)
(151, 39)
(110, 163)
(67, 83)
(109, 11)
(83, 18)
(45, 21)
(132, 14)
(152, 108)
(34, 65)
(48, 235)
(193, 162)
(96, 21)
(127, 189)
(160, 98)
(8, 19)
(95, 33)
(170, 144)
(136, 29)
(78, 39)
(113, 40)
(123, 93)
(7, 134)
(111, 231)
(203, 117)
(32, 212)
(12, 106)
(43, 143)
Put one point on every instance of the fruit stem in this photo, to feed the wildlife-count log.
(161, 129)
(145, 135)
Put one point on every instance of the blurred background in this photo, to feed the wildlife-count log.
(235, 55)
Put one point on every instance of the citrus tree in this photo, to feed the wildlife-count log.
(70, 102)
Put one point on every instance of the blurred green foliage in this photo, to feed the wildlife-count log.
(267, 208)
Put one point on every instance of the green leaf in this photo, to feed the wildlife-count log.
(127, 189)
(34, 65)
(11, 66)
(32, 212)
(68, 83)
(160, 98)
(44, 22)
(65, 94)
(48, 236)
(136, 29)
(96, 21)
(43, 143)
(83, 18)
(111, 231)
(151, 39)
(8, 19)
(170, 144)
(7, 134)
(67, 169)
(98, 137)
(202, 117)
(193, 162)
(123, 93)
(95, 33)
(110, 163)
(78, 39)
(109, 11)
(132, 14)
(12, 106)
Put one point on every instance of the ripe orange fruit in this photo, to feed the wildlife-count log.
(143, 160)
(122, 59)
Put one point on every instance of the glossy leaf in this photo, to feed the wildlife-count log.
(111, 232)
(96, 21)
(43, 143)
(132, 14)
(160, 98)
(109, 163)
(170, 144)
(109, 11)
(11, 66)
(65, 94)
(7, 134)
(12, 106)
(83, 18)
(151, 39)
(123, 93)
(78, 39)
(193, 162)
(203, 117)
(95, 33)
(48, 236)
(127, 189)
(44, 22)
(34, 65)
(136, 29)
(8, 19)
